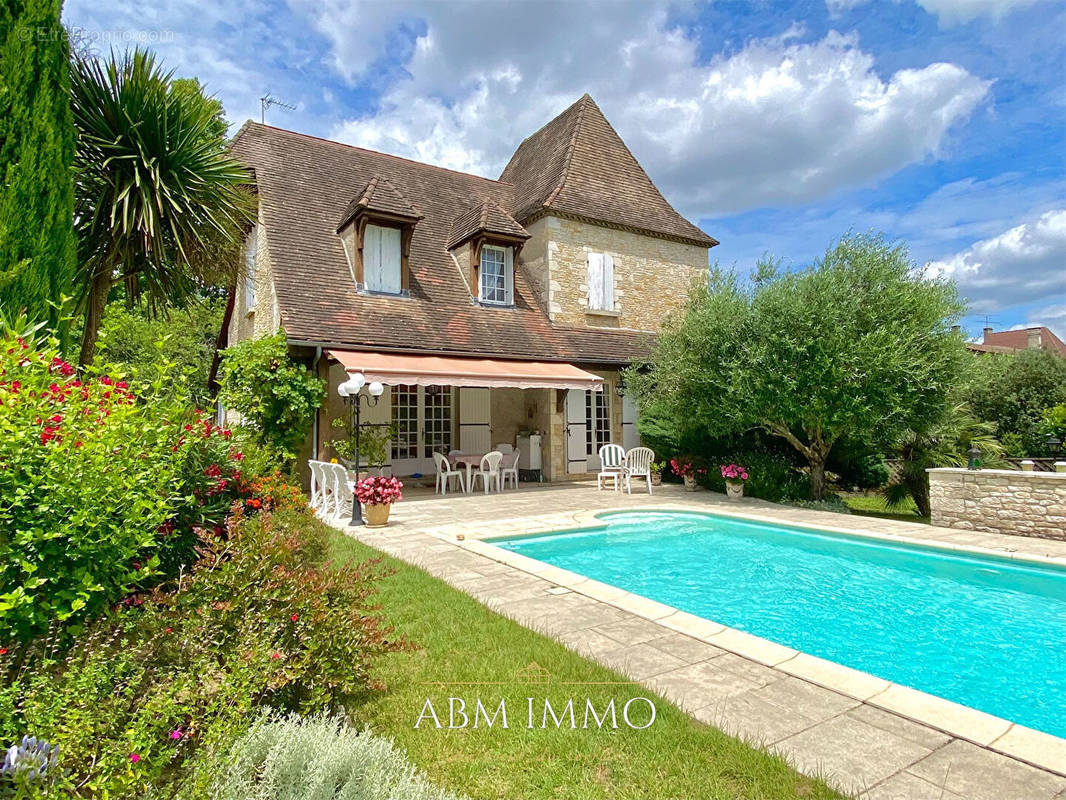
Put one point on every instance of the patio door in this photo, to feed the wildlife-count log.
(576, 432)
(422, 416)
(597, 426)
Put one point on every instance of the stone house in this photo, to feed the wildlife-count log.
(490, 309)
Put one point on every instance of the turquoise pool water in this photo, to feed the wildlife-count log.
(985, 632)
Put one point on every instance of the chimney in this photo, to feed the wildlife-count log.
(1034, 339)
(986, 332)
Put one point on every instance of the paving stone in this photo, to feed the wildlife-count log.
(979, 774)
(905, 786)
(849, 753)
(686, 648)
(904, 728)
(703, 684)
(632, 630)
(640, 661)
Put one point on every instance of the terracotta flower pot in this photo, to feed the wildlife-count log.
(656, 479)
(377, 514)
(690, 483)
(734, 489)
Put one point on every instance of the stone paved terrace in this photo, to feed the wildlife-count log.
(867, 737)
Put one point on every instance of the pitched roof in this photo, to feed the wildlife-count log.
(305, 186)
(379, 195)
(1007, 341)
(578, 164)
(488, 216)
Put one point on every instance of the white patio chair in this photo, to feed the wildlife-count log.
(505, 448)
(340, 489)
(612, 465)
(489, 472)
(317, 487)
(638, 465)
(445, 474)
(509, 467)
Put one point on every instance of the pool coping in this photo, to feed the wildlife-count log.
(1028, 745)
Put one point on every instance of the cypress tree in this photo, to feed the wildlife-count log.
(37, 253)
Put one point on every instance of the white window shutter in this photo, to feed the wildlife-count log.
(608, 283)
(250, 246)
(508, 274)
(595, 280)
(372, 257)
(390, 260)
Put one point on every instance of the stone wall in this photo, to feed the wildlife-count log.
(1000, 501)
(652, 275)
(263, 319)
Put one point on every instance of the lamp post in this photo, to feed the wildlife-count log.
(351, 391)
(975, 458)
(620, 386)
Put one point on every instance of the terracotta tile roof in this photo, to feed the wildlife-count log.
(1007, 341)
(488, 216)
(305, 186)
(379, 195)
(577, 164)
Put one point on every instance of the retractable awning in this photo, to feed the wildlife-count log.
(424, 370)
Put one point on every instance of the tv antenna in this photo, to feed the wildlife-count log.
(266, 101)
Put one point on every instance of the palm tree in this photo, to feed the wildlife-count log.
(943, 444)
(159, 203)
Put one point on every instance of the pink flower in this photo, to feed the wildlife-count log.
(275, 655)
(294, 617)
(134, 757)
(177, 733)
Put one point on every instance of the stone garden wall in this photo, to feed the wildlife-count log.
(1000, 501)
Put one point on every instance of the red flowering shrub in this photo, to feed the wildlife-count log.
(100, 487)
(683, 467)
(379, 490)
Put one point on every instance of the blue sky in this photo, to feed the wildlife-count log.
(777, 126)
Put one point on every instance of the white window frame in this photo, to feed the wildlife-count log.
(250, 248)
(507, 263)
(600, 277)
(376, 236)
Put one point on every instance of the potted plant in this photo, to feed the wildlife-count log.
(377, 493)
(683, 466)
(657, 472)
(374, 441)
(734, 475)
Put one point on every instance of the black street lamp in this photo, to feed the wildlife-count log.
(1053, 443)
(975, 458)
(352, 393)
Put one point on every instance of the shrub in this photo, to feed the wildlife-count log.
(277, 396)
(261, 621)
(101, 486)
(317, 759)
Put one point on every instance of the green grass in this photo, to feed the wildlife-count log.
(873, 505)
(458, 640)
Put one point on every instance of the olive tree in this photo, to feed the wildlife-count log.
(860, 343)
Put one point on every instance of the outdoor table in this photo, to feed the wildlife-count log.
(472, 461)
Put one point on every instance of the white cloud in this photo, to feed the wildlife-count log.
(778, 122)
(1022, 265)
(1053, 317)
(956, 12)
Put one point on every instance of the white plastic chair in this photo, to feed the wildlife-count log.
(638, 465)
(316, 485)
(612, 465)
(340, 490)
(489, 472)
(509, 467)
(445, 474)
(505, 448)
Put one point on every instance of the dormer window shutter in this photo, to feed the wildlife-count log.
(381, 259)
(508, 274)
(601, 282)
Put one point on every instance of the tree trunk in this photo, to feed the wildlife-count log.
(817, 463)
(95, 304)
(919, 490)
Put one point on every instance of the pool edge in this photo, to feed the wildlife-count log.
(1028, 745)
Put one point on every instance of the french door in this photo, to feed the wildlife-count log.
(588, 428)
(422, 417)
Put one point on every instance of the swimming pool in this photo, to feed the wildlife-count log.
(986, 632)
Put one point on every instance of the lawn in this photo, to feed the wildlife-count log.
(460, 641)
(873, 505)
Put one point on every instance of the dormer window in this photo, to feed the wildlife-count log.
(496, 275)
(382, 249)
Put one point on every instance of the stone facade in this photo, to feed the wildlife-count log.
(652, 275)
(1000, 501)
(264, 319)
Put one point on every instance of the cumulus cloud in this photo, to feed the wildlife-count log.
(1022, 265)
(948, 12)
(778, 121)
(1053, 317)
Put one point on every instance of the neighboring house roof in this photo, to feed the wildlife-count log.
(1038, 337)
(488, 216)
(578, 165)
(380, 195)
(305, 187)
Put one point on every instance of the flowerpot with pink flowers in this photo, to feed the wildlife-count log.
(684, 467)
(377, 493)
(734, 475)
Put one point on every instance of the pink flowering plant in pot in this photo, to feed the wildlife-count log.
(734, 475)
(684, 467)
(377, 493)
